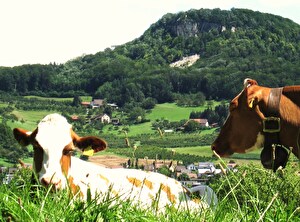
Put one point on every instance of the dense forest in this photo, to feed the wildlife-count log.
(231, 44)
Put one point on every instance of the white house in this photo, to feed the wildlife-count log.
(192, 167)
(104, 118)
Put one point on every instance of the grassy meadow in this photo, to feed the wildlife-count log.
(251, 194)
(168, 111)
(172, 112)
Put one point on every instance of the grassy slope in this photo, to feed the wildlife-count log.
(168, 111)
(31, 118)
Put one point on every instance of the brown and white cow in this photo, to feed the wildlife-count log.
(54, 140)
(262, 117)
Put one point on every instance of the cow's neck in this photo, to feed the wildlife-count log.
(282, 122)
(271, 123)
(290, 119)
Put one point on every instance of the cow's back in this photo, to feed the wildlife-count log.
(146, 189)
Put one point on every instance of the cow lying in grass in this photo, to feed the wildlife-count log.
(54, 141)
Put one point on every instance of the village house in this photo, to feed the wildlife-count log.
(97, 103)
(192, 167)
(74, 117)
(202, 122)
(86, 104)
(113, 105)
(104, 118)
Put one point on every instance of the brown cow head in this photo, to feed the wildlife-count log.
(242, 131)
(53, 142)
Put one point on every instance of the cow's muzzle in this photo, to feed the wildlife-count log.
(52, 181)
(221, 152)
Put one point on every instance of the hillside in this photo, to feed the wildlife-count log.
(232, 45)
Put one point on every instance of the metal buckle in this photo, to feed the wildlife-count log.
(271, 125)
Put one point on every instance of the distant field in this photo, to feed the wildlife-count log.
(172, 112)
(3, 105)
(48, 98)
(168, 111)
(206, 151)
(30, 118)
(196, 150)
(83, 98)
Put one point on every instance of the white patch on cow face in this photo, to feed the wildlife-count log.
(53, 135)
(260, 139)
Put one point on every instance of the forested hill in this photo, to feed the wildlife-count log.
(232, 45)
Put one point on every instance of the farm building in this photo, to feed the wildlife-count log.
(97, 103)
(104, 118)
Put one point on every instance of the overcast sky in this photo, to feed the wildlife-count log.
(44, 31)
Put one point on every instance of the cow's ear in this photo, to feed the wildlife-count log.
(254, 96)
(22, 136)
(249, 82)
(252, 102)
(95, 143)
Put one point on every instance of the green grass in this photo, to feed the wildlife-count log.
(245, 158)
(251, 194)
(168, 111)
(30, 118)
(49, 98)
(83, 98)
(4, 163)
(2, 105)
(195, 150)
(172, 112)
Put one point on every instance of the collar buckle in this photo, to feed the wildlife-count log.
(271, 125)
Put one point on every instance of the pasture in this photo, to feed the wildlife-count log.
(172, 112)
(29, 119)
(83, 98)
(251, 157)
(167, 111)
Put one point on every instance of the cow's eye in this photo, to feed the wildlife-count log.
(233, 105)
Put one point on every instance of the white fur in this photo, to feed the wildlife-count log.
(115, 182)
(53, 135)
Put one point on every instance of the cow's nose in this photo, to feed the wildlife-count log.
(213, 147)
(48, 181)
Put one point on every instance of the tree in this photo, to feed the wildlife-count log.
(165, 171)
(76, 101)
(9, 148)
(137, 114)
(183, 177)
(191, 126)
(148, 103)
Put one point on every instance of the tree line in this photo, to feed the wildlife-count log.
(261, 46)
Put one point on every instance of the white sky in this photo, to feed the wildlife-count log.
(44, 31)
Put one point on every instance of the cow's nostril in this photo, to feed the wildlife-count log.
(45, 182)
(213, 147)
(51, 181)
